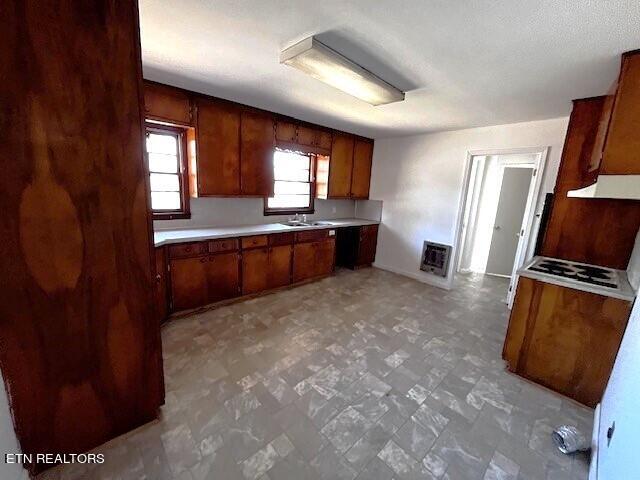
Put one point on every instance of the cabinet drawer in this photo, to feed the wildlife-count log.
(223, 245)
(254, 241)
(314, 235)
(192, 249)
(280, 239)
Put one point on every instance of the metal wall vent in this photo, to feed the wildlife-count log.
(435, 258)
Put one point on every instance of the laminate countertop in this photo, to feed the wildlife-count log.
(165, 237)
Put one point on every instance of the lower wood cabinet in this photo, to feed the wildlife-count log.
(564, 339)
(313, 259)
(198, 281)
(279, 272)
(367, 245)
(255, 269)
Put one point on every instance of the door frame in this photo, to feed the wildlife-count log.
(533, 201)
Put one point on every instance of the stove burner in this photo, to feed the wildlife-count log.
(582, 273)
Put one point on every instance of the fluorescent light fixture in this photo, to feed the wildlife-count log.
(325, 64)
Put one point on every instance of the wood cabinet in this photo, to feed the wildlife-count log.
(621, 154)
(218, 148)
(198, 281)
(564, 339)
(255, 270)
(607, 221)
(367, 245)
(162, 301)
(341, 166)
(168, 104)
(361, 174)
(286, 131)
(280, 262)
(257, 143)
(313, 256)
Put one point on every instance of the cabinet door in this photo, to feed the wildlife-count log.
(162, 305)
(325, 256)
(188, 283)
(279, 271)
(362, 153)
(285, 132)
(340, 166)
(223, 276)
(622, 148)
(367, 244)
(162, 102)
(255, 270)
(218, 145)
(304, 261)
(324, 139)
(257, 142)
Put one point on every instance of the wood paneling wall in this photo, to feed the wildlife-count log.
(80, 343)
(596, 231)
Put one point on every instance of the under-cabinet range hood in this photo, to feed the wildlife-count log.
(610, 186)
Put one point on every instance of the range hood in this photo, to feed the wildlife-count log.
(611, 186)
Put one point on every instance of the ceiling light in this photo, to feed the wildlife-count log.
(325, 64)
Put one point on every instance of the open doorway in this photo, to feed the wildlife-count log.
(499, 208)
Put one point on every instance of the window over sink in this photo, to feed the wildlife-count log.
(293, 183)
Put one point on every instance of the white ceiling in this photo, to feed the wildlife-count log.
(463, 63)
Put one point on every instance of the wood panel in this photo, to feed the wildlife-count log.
(218, 148)
(622, 147)
(583, 230)
(307, 136)
(564, 339)
(361, 176)
(280, 262)
(162, 304)
(367, 245)
(81, 353)
(285, 131)
(340, 166)
(223, 276)
(255, 270)
(189, 287)
(325, 139)
(256, 154)
(166, 103)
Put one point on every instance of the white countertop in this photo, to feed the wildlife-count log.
(164, 237)
(624, 292)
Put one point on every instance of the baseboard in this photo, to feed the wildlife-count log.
(422, 278)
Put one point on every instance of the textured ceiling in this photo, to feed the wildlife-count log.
(463, 63)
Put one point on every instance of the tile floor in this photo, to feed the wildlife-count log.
(365, 375)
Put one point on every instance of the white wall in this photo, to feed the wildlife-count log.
(8, 441)
(212, 211)
(420, 178)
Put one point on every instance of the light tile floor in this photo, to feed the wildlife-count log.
(365, 375)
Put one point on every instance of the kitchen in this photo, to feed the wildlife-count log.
(209, 274)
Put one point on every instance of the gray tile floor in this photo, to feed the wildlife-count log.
(365, 375)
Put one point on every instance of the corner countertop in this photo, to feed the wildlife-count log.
(165, 237)
(625, 292)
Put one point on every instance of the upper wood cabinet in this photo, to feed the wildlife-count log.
(621, 154)
(162, 102)
(341, 166)
(286, 131)
(303, 137)
(218, 148)
(257, 143)
(361, 175)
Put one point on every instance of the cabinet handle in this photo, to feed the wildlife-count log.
(203, 259)
(211, 259)
(158, 277)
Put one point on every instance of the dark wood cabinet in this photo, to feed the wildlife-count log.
(168, 104)
(255, 270)
(621, 154)
(189, 287)
(564, 339)
(368, 242)
(285, 131)
(162, 301)
(223, 276)
(325, 139)
(279, 270)
(356, 246)
(218, 148)
(361, 174)
(307, 136)
(313, 257)
(341, 166)
(257, 143)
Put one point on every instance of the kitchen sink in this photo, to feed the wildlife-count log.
(306, 224)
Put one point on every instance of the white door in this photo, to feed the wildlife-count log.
(617, 452)
(510, 215)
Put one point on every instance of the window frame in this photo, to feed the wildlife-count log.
(312, 189)
(183, 172)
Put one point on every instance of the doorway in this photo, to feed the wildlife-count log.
(499, 207)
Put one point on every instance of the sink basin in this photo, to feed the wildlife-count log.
(295, 224)
(321, 223)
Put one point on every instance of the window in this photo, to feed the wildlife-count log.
(293, 183)
(166, 151)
